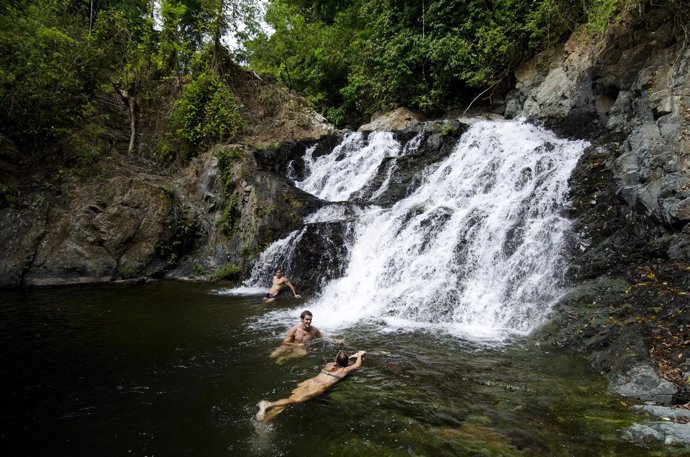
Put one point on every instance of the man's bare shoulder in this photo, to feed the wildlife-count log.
(291, 335)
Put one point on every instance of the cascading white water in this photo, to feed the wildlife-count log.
(349, 167)
(474, 251)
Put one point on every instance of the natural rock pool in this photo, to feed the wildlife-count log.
(175, 369)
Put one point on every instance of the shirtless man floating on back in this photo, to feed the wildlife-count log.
(294, 344)
(278, 282)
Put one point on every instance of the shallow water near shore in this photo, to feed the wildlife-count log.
(177, 369)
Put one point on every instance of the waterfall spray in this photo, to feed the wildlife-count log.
(474, 251)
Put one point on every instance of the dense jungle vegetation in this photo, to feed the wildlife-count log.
(166, 63)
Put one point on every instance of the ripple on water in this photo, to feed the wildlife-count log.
(173, 368)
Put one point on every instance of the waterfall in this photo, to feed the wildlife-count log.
(349, 167)
(475, 250)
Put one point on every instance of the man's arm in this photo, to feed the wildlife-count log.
(290, 338)
(292, 288)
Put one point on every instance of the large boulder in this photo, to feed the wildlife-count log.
(643, 383)
(120, 228)
(398, 119)
(241, 208)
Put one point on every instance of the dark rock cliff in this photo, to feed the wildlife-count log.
(629, 94)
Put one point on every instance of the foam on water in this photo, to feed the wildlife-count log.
(239, 291)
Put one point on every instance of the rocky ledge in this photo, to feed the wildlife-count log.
(629, 307)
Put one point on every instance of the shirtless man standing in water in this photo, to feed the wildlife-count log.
(278, 282)
(294, 344)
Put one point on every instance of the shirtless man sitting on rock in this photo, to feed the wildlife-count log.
(278, 282)
(294, 344)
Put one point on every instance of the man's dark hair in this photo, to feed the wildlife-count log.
(306, 312)
(342, 358)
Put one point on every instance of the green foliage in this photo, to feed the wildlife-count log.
(179, 36)
(230, 221)
(207, 112)
(45, 65)
(307, 56)
(167, 190)
(353, 58)
(180, 238)
(130, 52)
(199, 269)
(64, 65)
(363, 56)
(227, 271)
(349, 58)
(227, 156)
(601, 14)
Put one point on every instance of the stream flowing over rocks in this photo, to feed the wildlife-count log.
(627, 267)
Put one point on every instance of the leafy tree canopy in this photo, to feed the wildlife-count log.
(352, 58)
(56, 56)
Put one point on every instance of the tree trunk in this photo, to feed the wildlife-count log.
(133, 118)
(216, 63)
(129, 98)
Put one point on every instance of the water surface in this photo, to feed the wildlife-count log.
(176, 369)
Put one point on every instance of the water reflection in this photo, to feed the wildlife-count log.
(173, 369)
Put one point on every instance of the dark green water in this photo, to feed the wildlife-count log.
(171, 369)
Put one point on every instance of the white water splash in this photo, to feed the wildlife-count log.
(239, 291)
(474, 251)
(273, 257)
(349, 167)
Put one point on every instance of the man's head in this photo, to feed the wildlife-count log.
(279, 272)
(306, 318)
(342, 358)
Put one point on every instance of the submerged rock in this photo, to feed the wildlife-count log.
(665, 432)
(642, 382)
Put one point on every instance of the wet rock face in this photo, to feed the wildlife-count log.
(122, 228)
(322, 251)
(321, 255)
(241, 208)
(632, 86)
(628, 299)
(628, 95)
(433, 142)
(287, 158)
